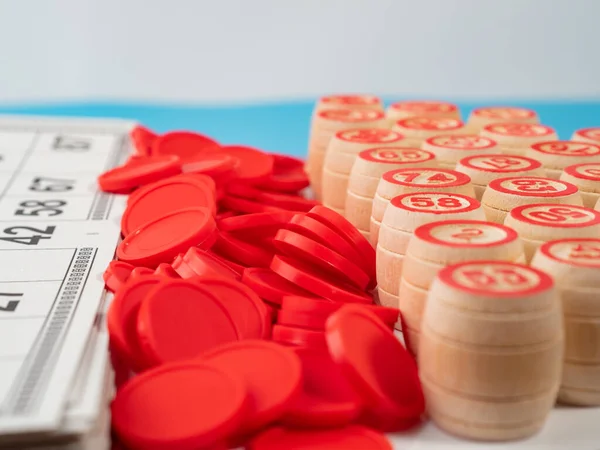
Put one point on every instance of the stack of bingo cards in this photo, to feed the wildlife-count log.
(420, 265)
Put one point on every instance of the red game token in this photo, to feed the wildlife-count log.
(388, 315)
(270, 286)
(142, 139)
(116, 274)
(166, 270)
(180, 319)
(257, 220)
(182, 406)
(145, 170)
(247, 311)
(352, 437)
(140, 272)
(164, 197)
(242, 252)
(121, 319)
(237, 268)
(311, 252)
(326, 399)
(288, 175)
(378, 367)
(243, 191)
(317, 231)
(287, 201)
(272, 374)
(164, 238)
(242, 205)
(184, 144)
(254, 165)
(196, 262)
(303, 275)
(300, 337)
(215, 164)
(349, 232)
(299, 319)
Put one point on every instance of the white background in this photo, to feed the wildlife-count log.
(215, 50)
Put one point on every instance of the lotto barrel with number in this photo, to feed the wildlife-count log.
(481, 117)
(482, 169)
(417, 129)
(355, 102)
(490, 354)
(404, 214)
(516, 138)
(439, 244)
(543, 222)
(340, 156)
(403, 181)
(325, 125)
(449, 149)
(557, 155)
(587, 179)
(404, 110)
(366, 172)
(589, 135)
(575, 266)
(503, 194)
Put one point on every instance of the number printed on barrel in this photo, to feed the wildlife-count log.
(589, 171)
(495, 277)
(435, 202)
(563, 216)
(501, 163)
(584, 252)
(425, 107)
(397, 155)
(430, 123)
(351, 115)
(351, 100)
(519, 129)
(426, 177)
(370, 136)
(464, 142)
(506, 113)
(592, 134)
(534, 186)
(567, 148)
(467, 233)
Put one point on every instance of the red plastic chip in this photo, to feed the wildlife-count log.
(184, 144)
(142, 139)
(352, 437)
(254, 165)
(378, 366)
(166, 270)
(164, 238)
(270, 286)
(180, 406)
(288, 175)
(242, 252)
(341, 226)
(287, 201)
(272, 374)
(327, 399)
(247, 311)
(167, 196)
(242, 205)
(300, 337)
(179, 320)
(321, 257)
(304, 275)
(196, 262)
(237, 268)
(257, 220)
(140, 272)
(301, 319)
(145, 170)
(215, 165)
(116, 274)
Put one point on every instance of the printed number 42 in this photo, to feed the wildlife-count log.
(34, 235)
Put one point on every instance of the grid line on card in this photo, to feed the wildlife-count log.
(20, 166)
(28, 388)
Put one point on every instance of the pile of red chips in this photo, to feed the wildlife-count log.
(243, 312)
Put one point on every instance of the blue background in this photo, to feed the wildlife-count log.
(279, 127)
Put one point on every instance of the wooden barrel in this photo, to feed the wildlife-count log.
(482, 169)
(417, 129)
(587, 179)
(555, 156)
(503, 194)
(405, 109)
(340, 155)
(480, 117)
(575, 266)
(402, 216)
(491, 348)
(366, 172)
(325, 124)
(355, 101)
(449, 149)
(589, 135)
(543, 222)
(403, 181)
(516, 138)
(439, 244)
